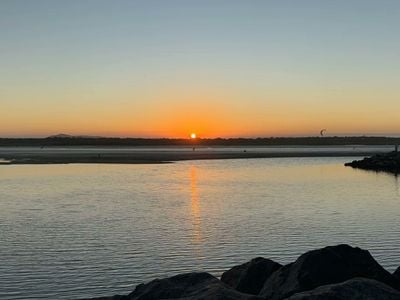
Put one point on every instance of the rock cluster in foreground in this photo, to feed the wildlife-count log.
(389, 162)
(332, 273)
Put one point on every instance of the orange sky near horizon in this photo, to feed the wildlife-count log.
(177, 112)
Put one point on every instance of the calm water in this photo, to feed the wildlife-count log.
(70, 231)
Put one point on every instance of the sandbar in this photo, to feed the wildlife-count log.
(138, 155)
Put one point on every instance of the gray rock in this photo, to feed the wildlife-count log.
(353, 289)
(324, 266)
(250, 277)
(193, 286)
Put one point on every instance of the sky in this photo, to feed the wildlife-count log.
(219, 68)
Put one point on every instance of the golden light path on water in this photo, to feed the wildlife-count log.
(195, 205)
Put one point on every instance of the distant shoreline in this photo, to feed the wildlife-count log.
(271, 141)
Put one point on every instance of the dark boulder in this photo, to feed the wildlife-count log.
(232, 276)
(397, 273)
(188, 286)
(250, 277)
(353, 289)
(324, 266)
(116, 297)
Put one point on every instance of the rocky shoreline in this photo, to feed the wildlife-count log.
(337, 272)
(389, 162)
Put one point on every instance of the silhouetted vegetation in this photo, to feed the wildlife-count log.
(277, 141)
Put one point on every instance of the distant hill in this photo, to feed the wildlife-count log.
(67, 140)
(60, 136)
(68, 136)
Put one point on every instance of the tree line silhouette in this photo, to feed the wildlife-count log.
(270, 141)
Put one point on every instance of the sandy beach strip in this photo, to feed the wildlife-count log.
(145, 156)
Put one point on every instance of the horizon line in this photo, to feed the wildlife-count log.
(67, 136)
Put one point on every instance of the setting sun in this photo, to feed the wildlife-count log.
(193, 136)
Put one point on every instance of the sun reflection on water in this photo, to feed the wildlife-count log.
(195, 206)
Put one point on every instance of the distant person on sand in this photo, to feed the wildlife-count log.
(193, 137)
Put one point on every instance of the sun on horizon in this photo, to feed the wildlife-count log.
(193, 135)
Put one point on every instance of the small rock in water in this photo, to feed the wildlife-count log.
(389, 162)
